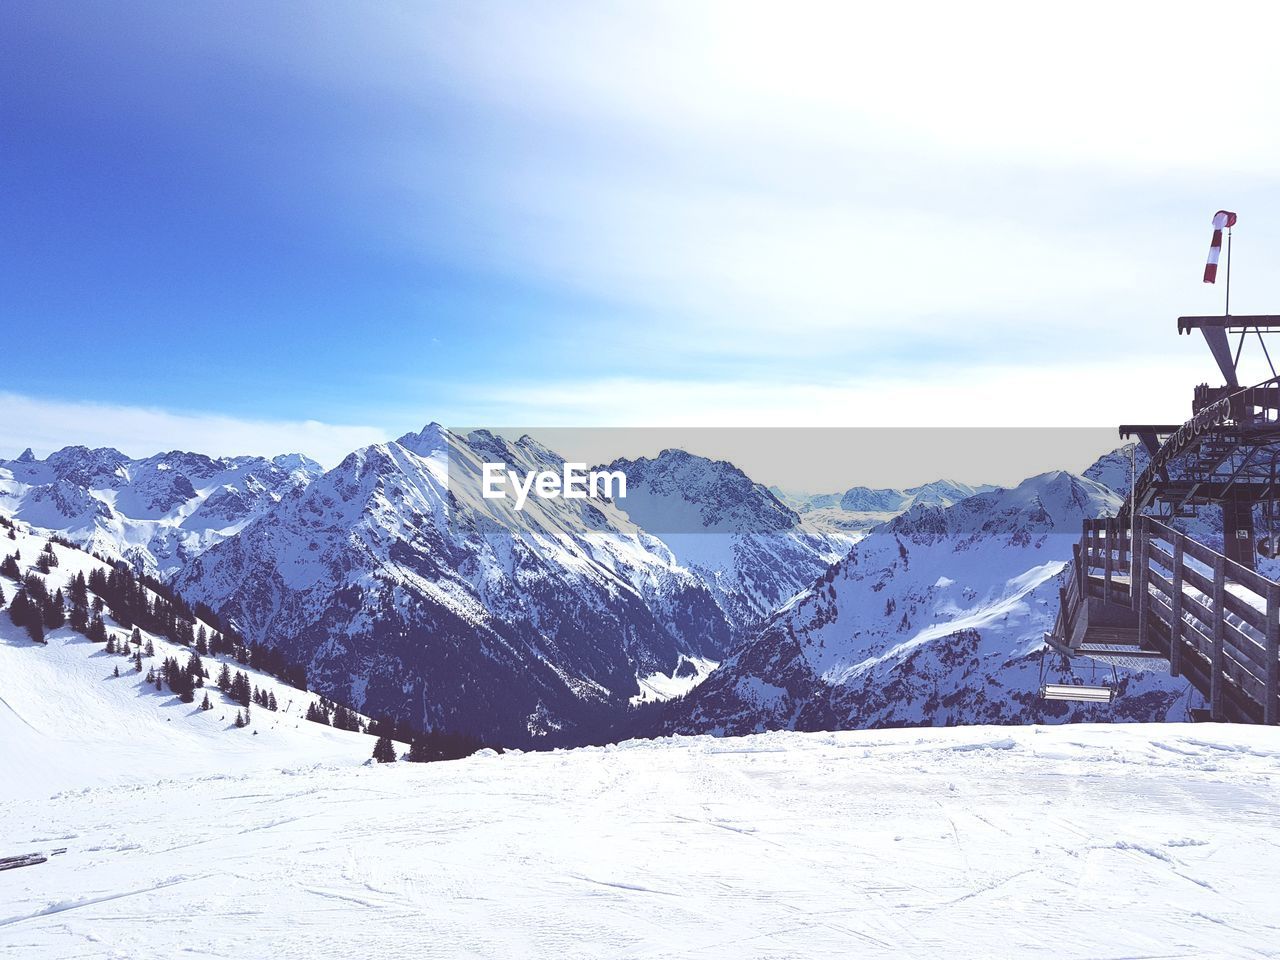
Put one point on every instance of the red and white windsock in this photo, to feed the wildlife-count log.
(1221, 221)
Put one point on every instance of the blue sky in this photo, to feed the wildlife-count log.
(250, 227)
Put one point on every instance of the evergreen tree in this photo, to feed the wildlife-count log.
(117, 671)
(79, 592)
(179, 680)
(384, 750)
(136, 637)
(25, 613)
(239, 719)
(205, 704)
(1, 596)
(9, 566)
(241, 691)
(195, 671)
(37, 592)
(55, 614)
(50, 558)
(151, 675)
(111, 644)
(224, 679)
(271, 701)
(317, 713)
(137, 661)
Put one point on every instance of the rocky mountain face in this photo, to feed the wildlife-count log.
(752, 551)
(935, 617)
(156, 513)
(414, 596)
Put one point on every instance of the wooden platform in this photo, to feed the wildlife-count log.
(1195, 613)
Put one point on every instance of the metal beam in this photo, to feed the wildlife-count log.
(1149, 434)
(1265, 321)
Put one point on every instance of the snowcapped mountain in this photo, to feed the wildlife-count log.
(936, 617)
(752, 551)
(881, 499)
(156, 513)
(852, 513)
(409, 594)
(940, 493)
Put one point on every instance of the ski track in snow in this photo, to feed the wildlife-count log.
(1077, 842)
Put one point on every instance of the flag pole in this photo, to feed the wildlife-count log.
(1227, 309)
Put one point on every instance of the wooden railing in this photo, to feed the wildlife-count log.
(1217, 622)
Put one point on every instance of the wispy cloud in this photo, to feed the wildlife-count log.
(986, 396)
(47, 425)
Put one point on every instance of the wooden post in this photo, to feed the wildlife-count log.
(1219, 635)
(1175, 621)
(1138, 595)
(1271, 709)
(1111, 528)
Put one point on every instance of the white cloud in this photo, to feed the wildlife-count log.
(754, 180)
(48, 425)
(978, 396)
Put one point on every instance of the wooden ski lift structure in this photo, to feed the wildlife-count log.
(1140, 593)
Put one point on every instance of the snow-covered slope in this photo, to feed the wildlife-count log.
(934, 618)
(66, 718)
(156, 513)
(407, 593)
(968, 843)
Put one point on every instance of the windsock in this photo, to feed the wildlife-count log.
(1222, 220)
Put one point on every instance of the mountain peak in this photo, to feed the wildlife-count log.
(430, 439)
(28, 456)
(678, 491)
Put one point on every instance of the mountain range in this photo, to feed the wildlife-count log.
(155, 513)
(408, 594)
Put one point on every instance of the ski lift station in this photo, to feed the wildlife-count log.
(1141, 592)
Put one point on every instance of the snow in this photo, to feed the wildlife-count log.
(62, 709)
(1072, 842)
(660, 686)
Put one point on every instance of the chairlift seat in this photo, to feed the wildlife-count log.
(1082, 693)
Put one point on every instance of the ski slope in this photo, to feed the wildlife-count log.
(1077, 841)
(65, 719)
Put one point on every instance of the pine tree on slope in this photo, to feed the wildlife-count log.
(384, 750)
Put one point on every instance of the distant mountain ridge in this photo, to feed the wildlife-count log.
(941, 492)
(155, 512)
